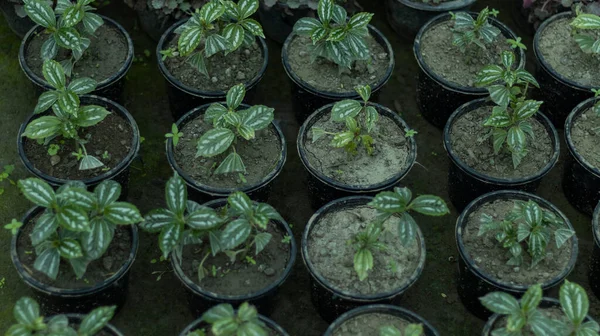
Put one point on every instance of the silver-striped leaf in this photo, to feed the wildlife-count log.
(37, 191)
(48, 262)
(214, 44)
(46, 100)
(73, 218)
(90, 115)
(257, 117)
(215, 142)
(344, 109)
(122, 213)
(235, 233)
(40, 12)
(176, 194)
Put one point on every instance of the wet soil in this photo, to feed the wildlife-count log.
(586, 136)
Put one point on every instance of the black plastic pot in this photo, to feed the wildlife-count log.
(20, 26)
(402, 313)
(183, 98)
(581, 180)
(306, 99)
(437, 97)
(120, 173)
(474, 282)
(466, 184)
(268, 322)
(154, 25)
(76, 319)
(277, 22)
(331, 302)
(200, 300)
(560, 95)
(546, 303)
(111, 88)
(408, 16)
(594, 275)
(202, 193)
(323, 189)
(112, 291)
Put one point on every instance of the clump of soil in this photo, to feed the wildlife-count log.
(260, 156)
(241, 277)
(554, 313)
(325, 76)
(104, 57)
(586, 136)
(97, 271)
(491, 257)
(473, 144)
(447, 61)
(559, 50)
(225, 71)
(333, 257)
(370, 325)
(390, 153)
(112, 136)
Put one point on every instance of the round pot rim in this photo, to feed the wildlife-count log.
(198, 290)
(596, 224)
(41, 82)
(383, 309)
(442, 7)
(542, 61)
(270, 324)
(446, 84)
(206, 94)
(551, 302)
(223, 192)
(40, 286)
(386, 184)
(79, 317)
(510, 195)
(484, 178)
(314, 220)
(123, 165)
(569, 123)
(351, 94)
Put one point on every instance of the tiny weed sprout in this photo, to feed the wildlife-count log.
(527, 226)
(409, 330)
(397, 203)
(5, 176)
(510, 119)
(516, 44)
(468, 31)
(31, 323)
(175, 135)
(233, 230)
(335, 37)
(360, 119)
(219, 26)
(76, 225)
(524, 315)
(224, 321)
(69, 116)
(13, 226)
(228, 125)
(73, 18)
(53, 149)
(586, 28)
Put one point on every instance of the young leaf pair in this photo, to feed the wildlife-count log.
(468, 31)
(585, 27)
(224, 321)
(69, 116)
(76, 225)
(410, 330)
(393, 204)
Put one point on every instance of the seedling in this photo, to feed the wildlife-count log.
(224, 321)
(76, 225)
(68, 116)
(219, 26)
(358, 117)
(510, 119)
(409, 330)
(5, 175)
(527, 225)
(30, 322)
(411, 133)
(468, 31)
(335, 37)
(228, 125)
(175, 135)
(516, 44)
(13, 226)
(240, 224)
(286, 239)
(397, 203)
(106, 155)
(596, 107)
(53, 149)
(586, 27)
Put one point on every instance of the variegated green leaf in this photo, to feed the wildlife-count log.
(217, 313)
(69, 102)
(337, 34)
(90, 162)
(169, 238)
(342, 139)
(231, 164)
(508, 59)
(203, 219)
(527, 109)
(363, 263)
(215, 142)
(68, 38)
(72, 16)
(197, 61)
(360, 20)
(235, 95)
(344, 109)
(500, 303)
(463, 21)
(372, 116)
(27, 313)
(49, 49)
(407, 229)
(391, 202)
(318, 34)
(38, 192)
(253, 27)
(586, 21)
(246, 8)
(91, 22)
(499, 137)
(214, 44)
(82, 85)
(122, 213)
(96, 241)
(43, 127)
(73, 218)
(90, 115)
(257, 117)
(364, 91)
(339, 15)
(574, 302)
(157, 219)
(234, 33)
(261, 240)
(40, 12)
(48, 262)
(46, 100)
(211, 11)
(499, 94)
(489, 75)
(96, 320)
(70, 249)
(306, 26)
(189, 40)
(325, 10)
(45, 226)
(54, 74)
(429, 205)
(235, 233)
(176, 194)
(516, 138)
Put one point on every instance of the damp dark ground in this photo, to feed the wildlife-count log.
(157, 307)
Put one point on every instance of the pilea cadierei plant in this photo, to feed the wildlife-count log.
(69, 116)
(233, 229)
(585, 31)
(219, 26)
(468, 31)
(528, 226)
(75, 21)
(410, 330)
(335, 37)
(510, 119)
(228, 125)
(76, 225)
(224, 321)
(524, 315)
(168, 8)
(359, 118)
(396, 203)
(31, 323)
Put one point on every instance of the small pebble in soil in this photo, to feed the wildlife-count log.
(228, 72)
(54, 160)
(247, 52)
(382, 56)
(107, 262)
(123, 142)
(214, 79)
(302, 53)
(269, 271)
(240, 76)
